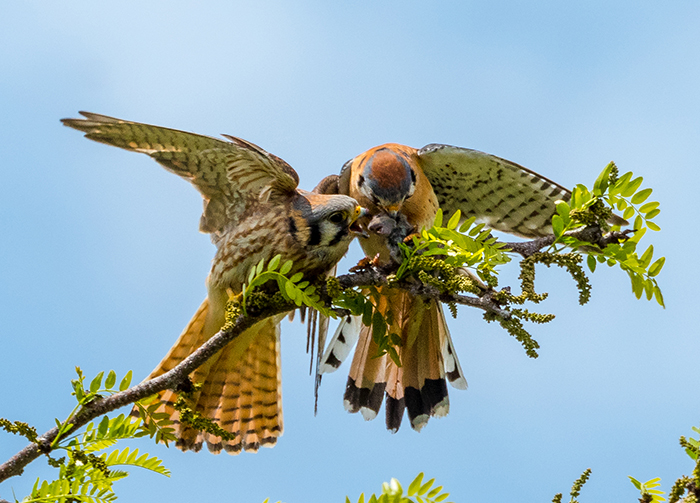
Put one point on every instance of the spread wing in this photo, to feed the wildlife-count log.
(502, 194)
(228, 174)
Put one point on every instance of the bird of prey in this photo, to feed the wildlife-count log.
(253, 211)
(404, 186)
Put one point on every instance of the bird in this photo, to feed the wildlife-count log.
(253, 211)
(403, 188)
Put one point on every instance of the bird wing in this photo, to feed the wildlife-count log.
(502, 194)
(228, 174)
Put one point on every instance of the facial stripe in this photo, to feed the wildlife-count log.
(293, 227)
(342, 232)
(314, 234)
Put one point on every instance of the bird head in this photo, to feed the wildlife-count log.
(327, 221)
(387, 179)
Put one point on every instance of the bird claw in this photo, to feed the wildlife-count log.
(365, 264)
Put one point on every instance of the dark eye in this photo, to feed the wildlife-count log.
(360, 180)
(337, 217)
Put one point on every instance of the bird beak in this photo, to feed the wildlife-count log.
(393, 210)
(355, 226)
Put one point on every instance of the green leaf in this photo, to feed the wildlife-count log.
(454, 220)
(646, 208)
(367, 314)
(628, 213)
(291, 290)
(652, 214)
(641, 196)
(638, 223)
(286, 267)
(637, 285)
(251, 275)
(621, 204)
(438, 218)
(415, 485)
(296, 277)
(125, 382)
(557, 225)
(601, 183)
(591, 262)
(434, 492)
(259, 267)
(563, 210)
(636, 483)
(632, 187)
(655, 268)
(653, 226)
(467, 223)
(96, 382)
(111, 379)
(425, 487)
(646, 257)
(274, 263)
(378, 326)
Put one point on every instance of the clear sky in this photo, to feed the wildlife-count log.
(101, 264)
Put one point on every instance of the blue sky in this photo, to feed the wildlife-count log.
(101, 264)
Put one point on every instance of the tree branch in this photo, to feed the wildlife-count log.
(368, 275)
(590, 234)
(15, 465)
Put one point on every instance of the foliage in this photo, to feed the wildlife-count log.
(595, 207)
(418, 492)
(85, 473)
(442, 257)
(576, 488)
(684, 484)
(648, 487)
(292, 288)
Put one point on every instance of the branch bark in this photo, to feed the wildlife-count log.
(368, 276)
(15, 465)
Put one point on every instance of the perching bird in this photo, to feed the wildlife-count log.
(400, 184)
(253, 210)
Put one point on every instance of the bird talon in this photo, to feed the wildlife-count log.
(364, 264)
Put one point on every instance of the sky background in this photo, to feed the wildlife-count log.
(101, 264)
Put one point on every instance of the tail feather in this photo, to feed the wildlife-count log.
(428, 361)
(241, 386)
(340, 345)
(367, 380)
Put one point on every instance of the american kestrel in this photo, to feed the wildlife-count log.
(400, 184)
(253, 211)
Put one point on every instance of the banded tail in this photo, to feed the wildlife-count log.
(242, 387)
(427, 357)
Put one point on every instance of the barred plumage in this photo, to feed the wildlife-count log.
(405, 185)
(254, 211)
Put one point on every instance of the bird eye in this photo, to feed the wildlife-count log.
(337, 217)
(360, 180)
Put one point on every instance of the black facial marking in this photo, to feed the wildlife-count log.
(342, 232)
(292, 227)
(360, 180)
(314, 235)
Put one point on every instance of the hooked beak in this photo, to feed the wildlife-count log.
(355, 226)
(392, 210)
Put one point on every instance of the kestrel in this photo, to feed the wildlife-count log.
(253, 211)
(401, 185)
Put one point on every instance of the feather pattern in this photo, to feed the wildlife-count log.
(254, 211)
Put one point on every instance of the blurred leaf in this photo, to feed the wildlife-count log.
(274, 263)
